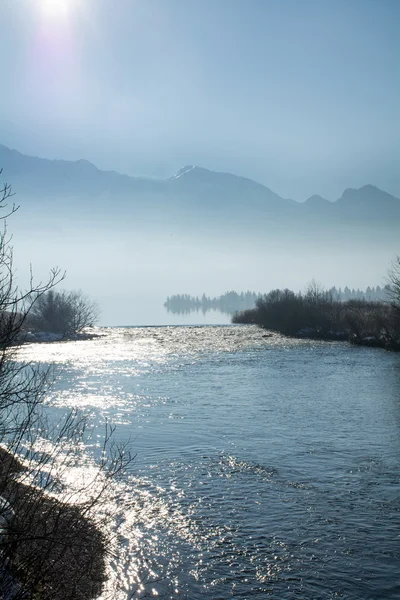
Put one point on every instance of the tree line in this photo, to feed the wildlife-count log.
(228, 303)
(319, 314)
(232, 302)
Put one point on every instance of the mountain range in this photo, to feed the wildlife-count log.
(192, 193)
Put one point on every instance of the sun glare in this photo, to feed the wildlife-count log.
(55, 8)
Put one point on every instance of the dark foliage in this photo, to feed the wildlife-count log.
(316, 314)
(63, 312)
(232, 301)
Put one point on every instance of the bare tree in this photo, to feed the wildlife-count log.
(394, 285)
(52, 546)
(63, 312)
(315, 292)
(85, 312)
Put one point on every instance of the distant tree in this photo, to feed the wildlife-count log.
(394, 285)
(63, 312)
(315, 293)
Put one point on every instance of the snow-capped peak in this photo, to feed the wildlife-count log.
(183, 171)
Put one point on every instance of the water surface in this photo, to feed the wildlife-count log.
(265, 467)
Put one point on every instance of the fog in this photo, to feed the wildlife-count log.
(131, 272)
(300, 98)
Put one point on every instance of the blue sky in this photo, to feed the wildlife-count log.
(302, 96)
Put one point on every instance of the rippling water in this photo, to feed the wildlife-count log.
(264, 467)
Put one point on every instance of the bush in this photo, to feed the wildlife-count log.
(63, 312)
(316, 315)
(289, 313)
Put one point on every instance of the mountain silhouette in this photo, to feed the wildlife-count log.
(193, 193)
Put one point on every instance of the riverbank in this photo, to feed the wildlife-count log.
(317, 316)
(343, 336)
(52, 550)
(35, 337)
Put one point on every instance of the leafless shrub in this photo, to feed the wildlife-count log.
(54, 546)
(63, 312)
(394, 283)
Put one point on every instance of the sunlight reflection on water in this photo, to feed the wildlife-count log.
(246, 474)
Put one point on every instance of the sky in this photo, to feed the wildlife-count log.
(302, 96)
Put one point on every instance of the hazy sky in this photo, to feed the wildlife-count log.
(302, 95)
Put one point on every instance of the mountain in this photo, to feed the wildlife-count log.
(194, 193)
(370, 200)
(212, 188)
(366, 195)
(316, 201)
(40, 176)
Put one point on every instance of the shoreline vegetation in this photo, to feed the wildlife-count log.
(35, 337)
(54, 537)
(55, 542)
(50, 549)
(317, 315)
(232, 302)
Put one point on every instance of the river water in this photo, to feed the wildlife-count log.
(265, 467)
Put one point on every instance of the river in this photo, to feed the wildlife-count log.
(265, 467)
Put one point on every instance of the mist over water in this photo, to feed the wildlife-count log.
(130, 242)
(131, 271)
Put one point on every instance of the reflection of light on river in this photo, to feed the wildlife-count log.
(133, 350)
(259, 461)
(145, 527)
(130, 513)
(144, 522)
(138, 519)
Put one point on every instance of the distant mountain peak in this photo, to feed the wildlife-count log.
(192, 188)
(316, 200)
(367, 194)
(365, 188)
(183, 171)
(86, 164)
(370, 187)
